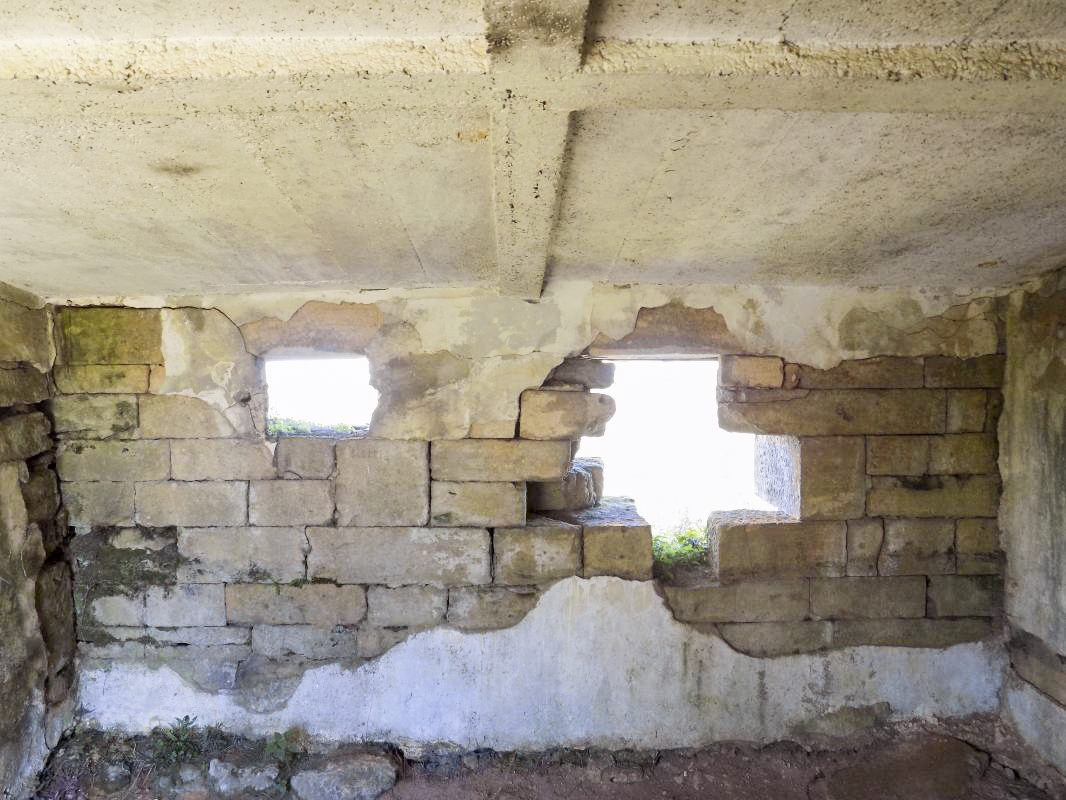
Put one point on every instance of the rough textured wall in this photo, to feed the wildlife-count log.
(36, 612)
(1033, 515)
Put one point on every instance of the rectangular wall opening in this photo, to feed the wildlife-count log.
(327, 396)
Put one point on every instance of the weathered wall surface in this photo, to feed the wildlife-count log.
(36, 611)
(1033, 514)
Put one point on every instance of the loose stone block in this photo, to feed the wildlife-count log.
(962, 454)
(865, 537)
(616, 539)
(406, 606)
(200, 504)
(113, 460)
(934, 496)
(305, 458)
(500, 459)
(382, 482)
(543, 550)
(311, 604)
(483, 609)
(968, 373)
(110, 336)
(756, 372)
(229, 555)
(833, 412)
(221, 459)
(547, 414)
(814, 477)
(22, 385)
(102, 379)
(773, 639)
(186, 604)
(23, 436)
(290, 503)
(752, 545)
(577, 490)
(459, 504)
(897, 455)
(588, 372)
(181, 417)
(931, 633)
(398, 556)
(871, 373)
(965, 595)
(95, 416)
(918, 547)
(751, 601)
(977, 547)
(873, 598)
(307, 641)
(99, 503)
(966, 410)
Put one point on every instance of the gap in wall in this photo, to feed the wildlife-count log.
(322, 395)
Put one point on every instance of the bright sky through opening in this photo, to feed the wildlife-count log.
(323, 391)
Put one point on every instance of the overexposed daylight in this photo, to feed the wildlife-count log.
(322, 391)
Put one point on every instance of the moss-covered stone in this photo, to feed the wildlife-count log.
(110, 336)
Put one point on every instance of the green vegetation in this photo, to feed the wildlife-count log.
(183, 740)
(286, 748)
(685, 544)
(286, 426)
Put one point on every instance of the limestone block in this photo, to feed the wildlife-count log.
(398, 556)
(310, 604)
(832, 412)
(221, 459)
(897, 455)
(543, 550)
(592, 373)
(594, 467)
(99, 503)
(304, 458)
(210, 669)
(966, 410)
(965, 595)
(186, 604)
(549, 414)
(753, 545)
(993, 410)
(199, 504)
(751, 601)
(1038, 664)
(281, 502)
(965, 373)
(476, 504)
(22, 384)
(577, 490)
(978, 550)
(865, 537)
(41, 495)
(198, 637)
(962, 454)
(307, 641)
(117, 609)
(372, 642)
(821, 477)
(887, 372)
(316, 326)
(499, 459)
(345, 776)
(95, 416)
(755, 372)
(405, 606)
(616, 539)
(102, 379)
(113, 460)
(934, 496)
(24, 334)
(110, 336)
(181, 417)
(918, 547)
(488, 608)
(23, 436)
(382, 482)
(932, 633)
(245, 554)
(868, 598)
(773, 639)
(672, 329)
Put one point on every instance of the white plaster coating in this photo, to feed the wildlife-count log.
(1040, 721)
(600, 662)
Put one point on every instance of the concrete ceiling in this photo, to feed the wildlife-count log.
(276, 145)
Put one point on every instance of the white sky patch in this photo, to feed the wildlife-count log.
(663, 447)
(325, 391)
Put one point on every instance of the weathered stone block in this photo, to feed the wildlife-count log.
(22, 384)
(746, 545)
(311, 604)
(195, 604)
(544, 550)
(113, 460)
(820, 477)
(865, 537)
(382, 482)
(897, 455)
(181, 417)
(965, 595)
(102, 379)
(966, 410)
(547, 414)
(488, 608)
(199, 504)
(755, 372)
(375, 641)
(406, 606)
(316, 325)
(117, 609)
(499, 459)
(307, 641)
(616, 539)
(588, 372)
(24, 334)
(110, 336)
(1038, 664)
(23, 436)
(918, 547)
(833, 412)
(773, 639)
(574, 492)
(221, 459)
(95, 416)
(305, 458)
(229, 555)
(965, 373)
(459, 504)
(751, 601)
(345, 776)
(872, 598)
(962, 454)
(934, 496)
(932, 633)
(41, 495)
(872, 373)
(978, 550)
(398, 556)
(99, 503)
(283, 502)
